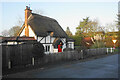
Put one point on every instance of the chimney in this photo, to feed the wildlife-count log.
(51, 34)
(27, 14)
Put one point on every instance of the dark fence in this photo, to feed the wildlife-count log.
(16, 55)
(21, 55)
(94, 52)
(60, 57)
(71, 55)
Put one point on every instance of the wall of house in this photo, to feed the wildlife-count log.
(44, 39)
(51, 48)
(71, 45)
(41, 39)
(64, 42)
(47, 41)
(23, 32)
(52, 39)
(31, 33)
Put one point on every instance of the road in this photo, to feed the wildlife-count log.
(106, 67)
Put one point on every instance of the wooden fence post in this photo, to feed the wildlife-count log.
(82, 54)
(107, 50)
(9, 64)
(111, 50)
(33, 61)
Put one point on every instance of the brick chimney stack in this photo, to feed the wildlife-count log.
(27, 14)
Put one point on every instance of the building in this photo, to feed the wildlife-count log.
(70, 43)
(16, 40)
(45, 30)
(87, 42)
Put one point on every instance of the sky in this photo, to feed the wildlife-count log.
(68, 14)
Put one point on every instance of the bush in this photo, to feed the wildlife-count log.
(77, 39)
(38, 50)
(80, 48)
(98, 44)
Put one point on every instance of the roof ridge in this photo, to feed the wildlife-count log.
(42, 16)
(41, 24)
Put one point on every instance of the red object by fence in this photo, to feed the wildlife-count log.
(59, 48)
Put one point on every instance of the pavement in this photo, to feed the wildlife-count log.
(105, 67)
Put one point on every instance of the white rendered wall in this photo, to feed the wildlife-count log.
(31, 33)
(52, 39)
(42, 39)
(51, 48)
(64, 43)
(71, 45)
(23, 32)
(55, 50)
(48, 39)
(47, 42)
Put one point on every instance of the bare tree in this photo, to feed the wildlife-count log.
(14, 30)
(111, 27)
(5, 33)
(20, 21)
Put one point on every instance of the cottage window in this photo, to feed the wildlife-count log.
(47, 48)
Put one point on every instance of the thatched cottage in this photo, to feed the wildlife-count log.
(45, 30)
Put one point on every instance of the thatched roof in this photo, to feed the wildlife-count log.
(42, 26)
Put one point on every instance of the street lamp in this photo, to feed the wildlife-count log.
(114, 41)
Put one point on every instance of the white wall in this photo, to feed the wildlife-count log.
(46, 43)
(52, 39)
(31, 33)
(48, 39)
(23, 32)
(71, 45)
(42, 39)
(64, 42)
(52, 50)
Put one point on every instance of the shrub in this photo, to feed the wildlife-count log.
(98, 44)
(38, 49)
(77, 39)
(80, 48)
